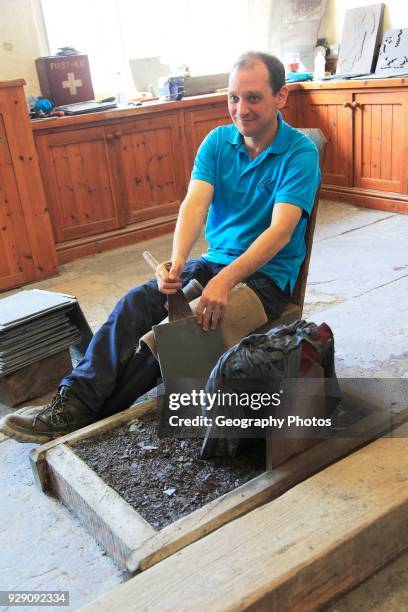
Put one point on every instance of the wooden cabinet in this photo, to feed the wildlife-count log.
(367, 134)
(330, 112)
(27, 249)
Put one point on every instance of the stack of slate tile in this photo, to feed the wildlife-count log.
(35, 325)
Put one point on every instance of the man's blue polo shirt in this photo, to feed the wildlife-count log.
(246, 190)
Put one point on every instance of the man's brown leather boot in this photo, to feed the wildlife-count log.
(63, 414)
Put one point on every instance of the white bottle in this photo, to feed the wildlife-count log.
(319, 65)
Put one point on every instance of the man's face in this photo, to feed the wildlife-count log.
(251, 103)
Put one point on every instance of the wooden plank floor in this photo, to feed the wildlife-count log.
(320, 538)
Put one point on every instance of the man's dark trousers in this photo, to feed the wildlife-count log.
(112, 375)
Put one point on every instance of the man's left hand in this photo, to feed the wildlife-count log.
(211, 307)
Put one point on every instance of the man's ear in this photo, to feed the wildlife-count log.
(282, 96)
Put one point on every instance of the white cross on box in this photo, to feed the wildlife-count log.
(72, 83)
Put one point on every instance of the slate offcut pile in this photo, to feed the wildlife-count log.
(35, 324)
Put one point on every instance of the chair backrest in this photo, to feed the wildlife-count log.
(298, 295)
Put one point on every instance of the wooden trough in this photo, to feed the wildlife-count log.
(295, 553)
(128, 537)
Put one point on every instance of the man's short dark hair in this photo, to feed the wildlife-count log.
(275, 67)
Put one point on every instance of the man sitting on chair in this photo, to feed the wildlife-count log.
(255, 181)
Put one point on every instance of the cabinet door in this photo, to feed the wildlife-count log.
(77, 177)
(198, 123)
(332, 113)
(381, 138)
(150, 166)
(14, 245)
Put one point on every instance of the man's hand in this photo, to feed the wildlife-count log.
(211, 307)
(168, 275)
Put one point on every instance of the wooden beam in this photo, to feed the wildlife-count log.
(296, 553)
(110, 519)
(38, 455)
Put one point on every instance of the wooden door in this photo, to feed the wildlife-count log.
(333, 114)
(14, 245)
(79, 184)
(150, 166)
(198, 123)
(381, 139)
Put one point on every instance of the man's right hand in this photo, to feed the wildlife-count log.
(168, 275)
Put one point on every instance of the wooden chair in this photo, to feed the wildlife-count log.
(294, 309)
(279, 450)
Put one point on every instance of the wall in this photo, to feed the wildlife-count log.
(395, 16)
(22, 40)
(22, 35)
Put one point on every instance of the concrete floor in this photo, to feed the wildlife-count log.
(358, 284)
